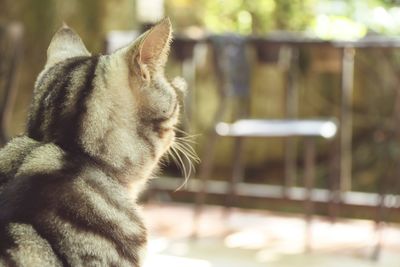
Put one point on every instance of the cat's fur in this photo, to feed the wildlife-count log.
(97, 127)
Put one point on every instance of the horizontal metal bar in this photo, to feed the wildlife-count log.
(276, 191)
(278, 128)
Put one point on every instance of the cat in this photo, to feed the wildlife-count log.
(97, 129)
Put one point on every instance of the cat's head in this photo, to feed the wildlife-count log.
(118, 108)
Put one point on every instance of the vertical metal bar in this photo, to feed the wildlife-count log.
(309, 179)
(206, 167)
(346, 130)
(291, 112)
(334, 179)
(14, 38)
(379, 226)
(189, 74)
(237, 172)
(189, 102)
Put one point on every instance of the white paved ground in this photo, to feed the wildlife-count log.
(255, 238)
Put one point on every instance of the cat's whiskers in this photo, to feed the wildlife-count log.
(179, 161)
(188, 139)
(184, 155)
(188, 151)
(185, 134)
(164, 161)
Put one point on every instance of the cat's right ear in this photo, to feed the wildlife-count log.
(65, 44)
(149, 52)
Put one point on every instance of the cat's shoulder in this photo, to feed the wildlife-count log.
(15, 151)
(33, 172)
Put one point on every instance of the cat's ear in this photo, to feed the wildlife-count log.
(65, 44)
(154, 47)
(150, 51)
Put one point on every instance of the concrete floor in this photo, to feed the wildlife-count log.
(257, 238)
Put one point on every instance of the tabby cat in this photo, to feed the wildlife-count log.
(97, 128)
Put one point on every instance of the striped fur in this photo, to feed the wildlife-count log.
(97, 128)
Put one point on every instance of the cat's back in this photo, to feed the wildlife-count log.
(56, 209)
(28, 170)
(17, 159)
(12, 156)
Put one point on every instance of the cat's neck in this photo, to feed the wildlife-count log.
(109, 133)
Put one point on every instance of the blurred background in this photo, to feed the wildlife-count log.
(293, 109)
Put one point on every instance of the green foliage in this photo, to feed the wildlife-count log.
(256, 16)
(293, 14)
(328, 19)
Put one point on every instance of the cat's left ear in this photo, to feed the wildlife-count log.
(65, 44)
(150, 51)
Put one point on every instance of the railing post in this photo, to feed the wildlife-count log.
(291, 111)
(346, 126)
(309, 181)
